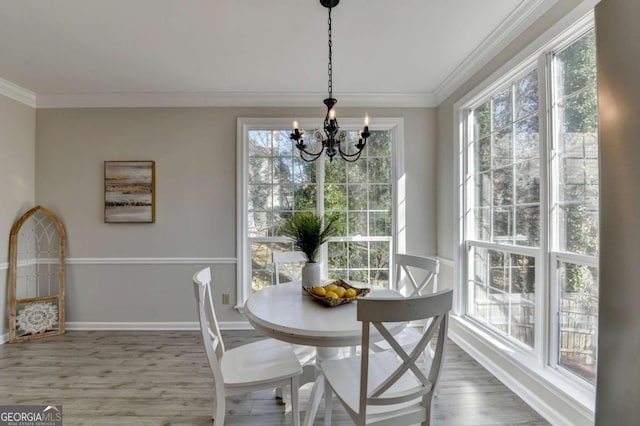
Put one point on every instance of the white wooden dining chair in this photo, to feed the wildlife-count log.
(390, 387)
(416, 275)
(289, 264)
(255, 366)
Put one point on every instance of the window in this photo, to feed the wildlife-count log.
(274, 183)
(530, 222)
(504, 197)
(574, 203)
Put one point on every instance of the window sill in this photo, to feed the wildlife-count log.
(552, 394)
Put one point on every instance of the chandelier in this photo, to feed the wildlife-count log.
(333, 139)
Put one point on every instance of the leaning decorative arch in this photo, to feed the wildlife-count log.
(36, 276)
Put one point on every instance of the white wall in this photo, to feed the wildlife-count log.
(17, 182)
(617, 36)
(195, 154)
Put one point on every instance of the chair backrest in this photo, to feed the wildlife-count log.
(289, 264)
(211, 337)
(376, 311)
(425, 268)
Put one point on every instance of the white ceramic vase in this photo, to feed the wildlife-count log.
(310, 275)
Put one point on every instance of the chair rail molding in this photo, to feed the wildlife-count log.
(131, 261)
(446, 261)
(149, 260)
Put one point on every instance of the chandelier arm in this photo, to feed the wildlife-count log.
(315, 155)
(344, 154)
(347, 157)
(312, 157)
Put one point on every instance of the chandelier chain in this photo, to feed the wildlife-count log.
(330, 66)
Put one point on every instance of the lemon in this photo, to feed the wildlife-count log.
(331, 287)
(340, 291)
(319, 291)
(351, 293)
(332, 295)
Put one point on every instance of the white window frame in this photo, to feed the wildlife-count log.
(542, 360)
(398, 222)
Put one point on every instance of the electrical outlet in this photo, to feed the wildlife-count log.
(225, 299)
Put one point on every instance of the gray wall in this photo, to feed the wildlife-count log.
(617, 36)
(17, 182)
(195, 154)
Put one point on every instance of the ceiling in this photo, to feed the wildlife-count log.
(407, 49)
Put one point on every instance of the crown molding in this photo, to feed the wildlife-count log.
(231, 99)
(519, 20)
(17, 93)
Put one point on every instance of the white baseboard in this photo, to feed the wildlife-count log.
(137, 326)
(157, 326)
(554, 406)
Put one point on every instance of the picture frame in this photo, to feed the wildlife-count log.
(129, 191)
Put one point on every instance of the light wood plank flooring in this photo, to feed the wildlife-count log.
(162, 378)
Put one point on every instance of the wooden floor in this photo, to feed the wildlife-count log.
(162, 378)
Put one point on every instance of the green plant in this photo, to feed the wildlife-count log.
(308, 231)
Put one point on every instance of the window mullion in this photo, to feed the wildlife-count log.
(513, 166)
(491, 167)
(544, 285)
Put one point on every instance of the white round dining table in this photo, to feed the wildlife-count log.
(284, 313)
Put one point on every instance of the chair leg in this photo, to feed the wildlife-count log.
(295, 405)
(328, 403)
(427, 401)
(314, 401)
(219, 410)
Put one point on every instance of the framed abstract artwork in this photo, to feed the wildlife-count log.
(129, 191)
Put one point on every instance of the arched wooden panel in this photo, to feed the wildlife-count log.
(36, 276)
